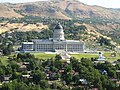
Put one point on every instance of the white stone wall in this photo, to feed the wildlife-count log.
(58, 42)
(59, 45)
(27, 47)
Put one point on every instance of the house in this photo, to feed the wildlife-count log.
(47, 69)
(118, 72)
(26, 63)
(101, 58)
(83, 81)
(53, 76)
(22, 68)
(24, 77)
(94, 89)
(6, 78)
(116, 81)
(29, 72)
(1, 53)
(61, 71)
(104, 72)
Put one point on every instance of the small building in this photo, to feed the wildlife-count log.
(118, 72)
(22, 68)
(83, 81)
(116, 81)
(26, 63)
(27, 46)
(1, 53)
(7, 78)
(24, 77)
(104, 72)
(101, 57)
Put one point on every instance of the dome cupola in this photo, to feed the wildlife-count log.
(58, 33)
(58, 26)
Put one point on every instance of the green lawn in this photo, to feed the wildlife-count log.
(106, 54)
(4, 60)
(79, 56)
(84, 55)
(110, 58)
(44, 56)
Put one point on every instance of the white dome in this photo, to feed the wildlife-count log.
(58, 32)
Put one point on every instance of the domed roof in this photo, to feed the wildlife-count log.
(58, 26)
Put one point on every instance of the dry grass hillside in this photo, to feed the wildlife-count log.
(78, 9)
(92, 33)
(7, 12)
(21, 27)
(42, 8)
(61, 9)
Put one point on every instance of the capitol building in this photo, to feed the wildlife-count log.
(58, 42)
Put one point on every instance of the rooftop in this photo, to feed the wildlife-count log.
(28, 43)
(58, 26)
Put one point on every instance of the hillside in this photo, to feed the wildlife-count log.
(61, 9)
(7, 12)
(75, 9)
(21, 27)
(36, 16)
(41, 8)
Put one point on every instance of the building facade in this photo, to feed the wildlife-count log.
(58, 42)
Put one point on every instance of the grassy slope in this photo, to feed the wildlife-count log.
(107, 55)
(44, 56)
(79, 56)
(84, 55)
(110, 58)
(4, 59)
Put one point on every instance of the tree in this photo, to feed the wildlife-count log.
(76, 79)
(86, 62)
(68, 68)
(2, 72)
(53, 69)
(58, 64)
(25, 56)
(38, 76)
(8, 69)
(21, 86)
(112, 73)
(58, 57)
(73, 61)
(56, 85)
(44, 84)
(14, 66)
(6, 86)
(8, 49)
(16, 75)
(68, 78)
(104, 41)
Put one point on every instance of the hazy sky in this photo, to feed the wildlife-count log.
(104, 3)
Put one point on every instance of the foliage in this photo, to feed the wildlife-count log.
(8, 49)
(104, 41)
(63, 73)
